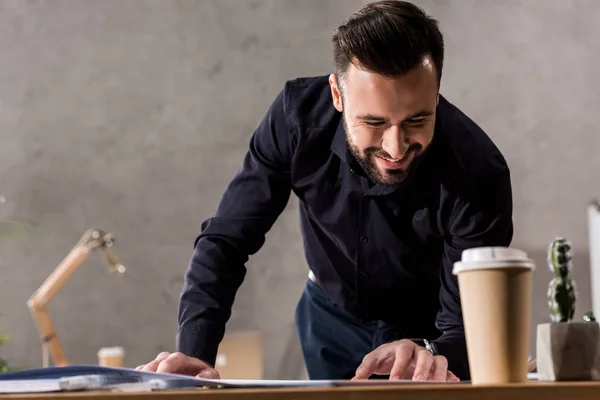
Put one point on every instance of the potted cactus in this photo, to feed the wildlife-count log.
(566, 350)
(561, 290)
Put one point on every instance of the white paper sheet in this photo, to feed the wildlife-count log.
(92, 377)
(311, 383)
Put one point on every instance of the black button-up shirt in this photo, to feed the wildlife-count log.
(378, 252)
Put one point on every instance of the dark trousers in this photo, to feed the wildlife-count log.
(333, 341)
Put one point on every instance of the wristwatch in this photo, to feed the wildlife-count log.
(430, 346)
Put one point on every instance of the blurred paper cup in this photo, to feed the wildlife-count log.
(111, 356)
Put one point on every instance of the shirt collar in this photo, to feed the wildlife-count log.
(339, 145)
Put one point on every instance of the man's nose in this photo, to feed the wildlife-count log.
(394, 142)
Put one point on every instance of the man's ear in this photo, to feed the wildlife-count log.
(336, 93)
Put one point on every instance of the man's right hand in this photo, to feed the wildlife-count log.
(179, 363)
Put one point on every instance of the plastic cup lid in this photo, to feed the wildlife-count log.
(492, 257)
(115, 351)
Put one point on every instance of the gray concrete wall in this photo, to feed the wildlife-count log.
(132, 116)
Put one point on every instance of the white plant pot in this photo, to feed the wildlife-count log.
(568, 351)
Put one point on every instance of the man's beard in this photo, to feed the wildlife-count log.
(393, 177)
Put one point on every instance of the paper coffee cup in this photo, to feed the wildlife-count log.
(111, 356)
(495, 291)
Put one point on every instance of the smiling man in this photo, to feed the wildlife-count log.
(394, 183)
(388, 122)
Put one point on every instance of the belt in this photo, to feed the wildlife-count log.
(312, 277)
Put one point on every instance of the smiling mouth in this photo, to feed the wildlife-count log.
(389, 163)
(390, 160)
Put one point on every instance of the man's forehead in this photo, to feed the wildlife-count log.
(369, 93)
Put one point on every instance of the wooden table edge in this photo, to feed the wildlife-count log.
(526, 391)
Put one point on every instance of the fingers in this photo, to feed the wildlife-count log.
(450, 377)
(405, 351)
(424, 362)
(405, 359)
(176, 363)
(367, 367)
(209, 373)
(379, 361)
(179, 363)
(439, 369)
(153, 365)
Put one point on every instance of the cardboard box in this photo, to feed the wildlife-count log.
(240, 356)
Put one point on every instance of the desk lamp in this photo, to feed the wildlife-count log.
(92, 239)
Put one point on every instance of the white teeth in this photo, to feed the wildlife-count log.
(395, 161)
(387, 159)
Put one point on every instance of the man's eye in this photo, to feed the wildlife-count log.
(374, 123)
(419, 121)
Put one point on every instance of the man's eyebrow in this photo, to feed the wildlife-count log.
(420, 114)
(371, 117)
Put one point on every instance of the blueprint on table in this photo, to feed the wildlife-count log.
(93, 377)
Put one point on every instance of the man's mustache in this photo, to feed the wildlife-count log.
(384, 154)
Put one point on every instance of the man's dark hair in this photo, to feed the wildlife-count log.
(389, 38)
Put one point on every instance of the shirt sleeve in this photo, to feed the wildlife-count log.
(482, 218)
(252, 202)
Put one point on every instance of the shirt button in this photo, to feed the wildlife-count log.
(364, 239)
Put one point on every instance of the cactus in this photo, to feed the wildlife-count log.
(561, 290)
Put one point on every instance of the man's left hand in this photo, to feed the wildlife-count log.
(404, 359)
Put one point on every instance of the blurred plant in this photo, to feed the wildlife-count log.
(3, 363)
(589, 317)
(8, 230)
(16, 228)
(4, 367)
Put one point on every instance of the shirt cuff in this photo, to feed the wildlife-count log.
(200, 341)
(453, 346)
